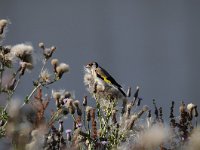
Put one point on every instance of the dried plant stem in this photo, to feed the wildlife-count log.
(17, 83)
(1, 76)
(44, 64)
(99, 114)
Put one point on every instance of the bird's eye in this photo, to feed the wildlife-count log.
(95, 64)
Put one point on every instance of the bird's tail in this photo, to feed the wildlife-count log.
(121, 90)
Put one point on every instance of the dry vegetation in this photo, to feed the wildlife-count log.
(103, 126)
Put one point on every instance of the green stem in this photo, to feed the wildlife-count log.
(31, 94)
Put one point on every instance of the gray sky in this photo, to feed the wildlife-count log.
(153, 44)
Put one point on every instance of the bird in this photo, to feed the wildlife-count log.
(102, 77)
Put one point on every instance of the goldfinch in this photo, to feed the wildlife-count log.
(102, 77)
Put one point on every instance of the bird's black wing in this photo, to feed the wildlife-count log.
(104, 75)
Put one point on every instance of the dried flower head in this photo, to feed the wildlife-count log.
(77, 103)
(41, 45)
(56, 94)
(190, 107)
(88, 113)
(54, 62)
(45, 76)
(3, 25)
(70, 106)
(23, 52)
(62, 68)
(48, 52)
(85, 101)
(25, 66)
(159, 134)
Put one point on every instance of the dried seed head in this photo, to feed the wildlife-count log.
(61, 128)
(54, 62)
(53, 48)
(41, 45)
(88, 109)
(128, 106)
(182, 108)
(68, 132)
(76, 103)
(85, 101)
(196, 111)
(70, 106)
(24, 66)
(48, 52)
(190, 107)
(88, 113)
(67, 94)
(45, 76)
(131, 121)
(128, 92)
(136, 92)
(56, 94)
(62, 68)
(23, 52)
(145, 108)
(3, 24)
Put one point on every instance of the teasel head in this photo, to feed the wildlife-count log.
(88, 113)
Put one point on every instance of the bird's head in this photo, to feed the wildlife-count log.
(92, 65)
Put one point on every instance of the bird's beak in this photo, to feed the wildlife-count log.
(87, 66)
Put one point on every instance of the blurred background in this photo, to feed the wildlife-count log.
(151, 44)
